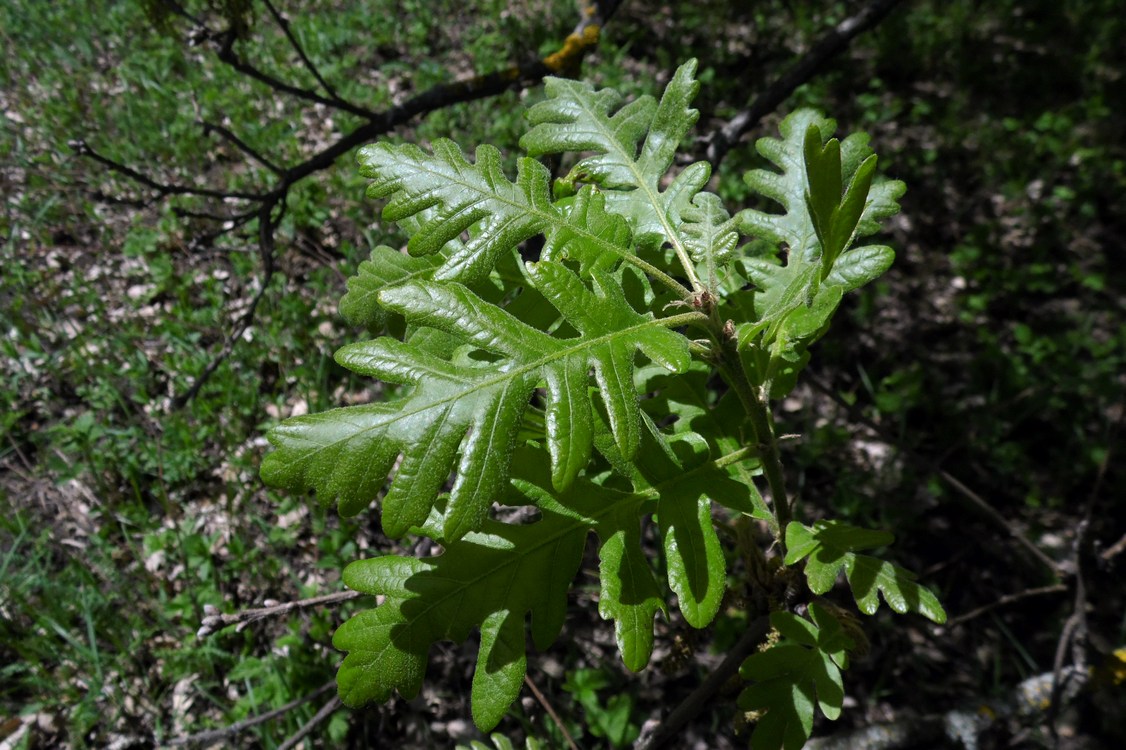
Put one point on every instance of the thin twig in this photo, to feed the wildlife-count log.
(1114, 550)
(1070, 632)
(214, 622)
(699, 698)
(1076, 632)
(236, 219)
(82, 148)
(283, 22)
(543, 701)
(326, 711)
(227, 54)
(211, 127)
(1004, 601)
(979, 502)
(826, 48)
(216, 735)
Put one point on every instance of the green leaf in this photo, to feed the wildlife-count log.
(502, 214)
(794, 300)
(547, 385)
(804, 668)
(474, 407)
(857, 267)
(495, 577)
(809, 190)
(823, 173)
(575, 118)
(709, 234)
(692, 549)
(589, 227)
(789, 188)
(438, 196)
(489, 579)
(385, 269)
(828, 547)
(724, 423)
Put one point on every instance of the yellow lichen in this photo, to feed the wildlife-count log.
(574, 47)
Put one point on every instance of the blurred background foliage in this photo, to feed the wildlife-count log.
(994, 353)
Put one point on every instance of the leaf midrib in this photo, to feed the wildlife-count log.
(488, 383)
(554, 220)
(599, 120)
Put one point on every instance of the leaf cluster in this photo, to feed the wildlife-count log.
(554, 359)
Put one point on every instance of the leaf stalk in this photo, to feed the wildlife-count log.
(758, 411)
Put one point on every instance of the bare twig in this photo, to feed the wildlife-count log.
(825, 49)
(1071, 632)
(236, 220)
(210, 127)
(988, 510)
(283, 22)
(216, 735)
(543, 701)
(699, 698)
(213, 621)
(225, 42)
(326, 711)
(163, 189)
(1114, 550)
(1004, 601)
(1075, 632)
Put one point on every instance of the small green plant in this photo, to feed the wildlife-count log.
(521, 383)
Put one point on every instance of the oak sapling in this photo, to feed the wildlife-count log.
(522, 380)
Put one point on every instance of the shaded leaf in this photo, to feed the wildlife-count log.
(804, 668)
(829, 547)
(494, 578)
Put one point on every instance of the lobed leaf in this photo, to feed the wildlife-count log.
(438, 196)
(709, 234)
(794, 300)
(386, 268)
(474, 408)
(804, 668)
(829, 547)
(809, 190)
(497, 576)
(634, 147)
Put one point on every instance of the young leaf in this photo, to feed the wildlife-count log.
(830, 546)
(438, 196)
(576, 117)
(802, 669)
(709, 234)
(793, 303)
(809, 189)
(345, 454)
(834, 218)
